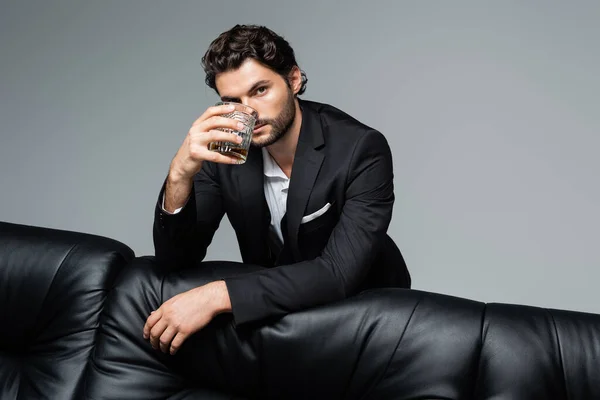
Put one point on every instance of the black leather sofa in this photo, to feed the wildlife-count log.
(53, 285)
(72, 307)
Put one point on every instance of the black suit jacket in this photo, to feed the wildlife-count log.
(338, 161)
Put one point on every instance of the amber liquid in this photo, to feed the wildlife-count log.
(229, 150)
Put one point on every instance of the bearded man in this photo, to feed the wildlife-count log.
(310, 207)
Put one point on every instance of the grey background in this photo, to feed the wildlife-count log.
(491, 110)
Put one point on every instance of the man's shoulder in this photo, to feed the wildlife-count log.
(338, 125)
(331, 115)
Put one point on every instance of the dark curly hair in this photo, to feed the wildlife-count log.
(228, 51)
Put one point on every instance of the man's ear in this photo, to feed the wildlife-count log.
(295, 79)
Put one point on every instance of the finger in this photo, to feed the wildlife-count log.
(221, 158)
(220, 136)
(214, 110)
(157, 332)
(152, 319)
(166, 338)
(177, 342)
(203, 139)
(221, 122)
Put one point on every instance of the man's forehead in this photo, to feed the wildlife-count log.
(242, 79)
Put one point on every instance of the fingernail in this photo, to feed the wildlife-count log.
(240, 125)
(231, 107)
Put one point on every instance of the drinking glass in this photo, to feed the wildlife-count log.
(247, 116)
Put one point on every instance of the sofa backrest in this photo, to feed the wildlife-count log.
(52, 289)
(384, 343)
(537, 353)
(380, 344)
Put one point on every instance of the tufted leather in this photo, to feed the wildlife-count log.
(52, 288)
(381, 344)
(535, 353)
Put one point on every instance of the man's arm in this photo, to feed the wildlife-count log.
(348, 255)
(181, 239)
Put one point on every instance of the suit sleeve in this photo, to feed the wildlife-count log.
(348, 255)
(181, 239)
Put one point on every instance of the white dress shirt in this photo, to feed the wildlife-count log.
(276, 185)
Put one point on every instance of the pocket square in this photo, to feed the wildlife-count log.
(316, 214)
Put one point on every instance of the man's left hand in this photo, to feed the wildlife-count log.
(185, 314)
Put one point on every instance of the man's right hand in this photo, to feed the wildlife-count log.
(194, 150)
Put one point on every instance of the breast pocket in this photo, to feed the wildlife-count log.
(322, 217)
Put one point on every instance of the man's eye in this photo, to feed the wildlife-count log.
(261, 90)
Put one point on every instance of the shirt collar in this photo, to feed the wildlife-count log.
(270, 167)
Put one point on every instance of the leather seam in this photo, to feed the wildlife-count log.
(67, 254)
(482, 336)
(560, 358)
(367, 336)
(383, 374)
(91, 361)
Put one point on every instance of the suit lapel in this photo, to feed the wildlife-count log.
(251, 197)
(306, 166)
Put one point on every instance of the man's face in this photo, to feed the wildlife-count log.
(264, 90)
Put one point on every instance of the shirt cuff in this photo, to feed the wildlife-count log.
(174, 212)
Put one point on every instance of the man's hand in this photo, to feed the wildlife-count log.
(194, 150)
(185, 314)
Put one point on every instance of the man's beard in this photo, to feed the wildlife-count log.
(281, 124)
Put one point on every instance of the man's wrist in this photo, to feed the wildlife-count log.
(177, 192)
(221, 301)
(176, 178)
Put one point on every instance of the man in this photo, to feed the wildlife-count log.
(311, 205)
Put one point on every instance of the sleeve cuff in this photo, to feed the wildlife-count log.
(162, 206)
